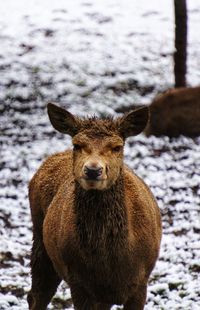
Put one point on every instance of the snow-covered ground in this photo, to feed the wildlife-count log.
(95, 56)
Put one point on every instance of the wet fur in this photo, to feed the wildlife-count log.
(103, 243)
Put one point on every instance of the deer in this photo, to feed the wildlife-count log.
(96, 224)
(175, 112)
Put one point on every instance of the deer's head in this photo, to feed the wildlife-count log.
(98, 143)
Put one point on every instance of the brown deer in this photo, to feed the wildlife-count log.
(175, 112)
(96, 224)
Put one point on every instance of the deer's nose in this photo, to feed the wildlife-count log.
(93, 173)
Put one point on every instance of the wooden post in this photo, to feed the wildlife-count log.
(180, 55)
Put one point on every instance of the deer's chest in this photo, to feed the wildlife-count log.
(105, 273)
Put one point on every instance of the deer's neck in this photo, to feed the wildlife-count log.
(101, 216)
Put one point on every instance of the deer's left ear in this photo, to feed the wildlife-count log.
(62, 120)
(134, 122)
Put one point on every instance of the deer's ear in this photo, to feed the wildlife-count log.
(134, 122)
(62, 120)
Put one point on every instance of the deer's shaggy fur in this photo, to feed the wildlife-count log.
(95, 223)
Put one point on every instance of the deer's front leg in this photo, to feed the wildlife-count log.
(137, 301)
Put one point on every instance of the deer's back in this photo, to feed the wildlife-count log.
(48, 179)
(176, 112)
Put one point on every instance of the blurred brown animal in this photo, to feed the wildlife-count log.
(175, 112)
(95, 223)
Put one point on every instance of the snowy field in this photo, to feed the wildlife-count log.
(95, 56)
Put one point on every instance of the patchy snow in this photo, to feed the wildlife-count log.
(95, 56)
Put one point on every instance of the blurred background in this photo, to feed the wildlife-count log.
(103, 57)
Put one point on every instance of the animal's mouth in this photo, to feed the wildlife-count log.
(88, 183)
(93, 179)
(93, 183)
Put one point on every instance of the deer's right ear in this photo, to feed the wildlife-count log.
(134, 122)
(62, 120)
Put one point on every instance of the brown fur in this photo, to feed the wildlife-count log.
(176, 112)
(102, 237)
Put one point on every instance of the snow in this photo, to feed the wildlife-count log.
(95, 56)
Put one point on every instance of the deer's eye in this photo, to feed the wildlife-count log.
(77, 147)
(116, 149)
